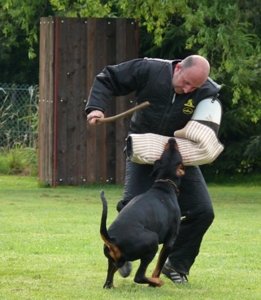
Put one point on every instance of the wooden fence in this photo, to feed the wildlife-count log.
(72, 52)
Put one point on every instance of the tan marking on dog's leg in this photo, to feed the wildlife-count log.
(115, 252)
(156, 282)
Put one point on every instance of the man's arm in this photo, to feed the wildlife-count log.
(116, 80)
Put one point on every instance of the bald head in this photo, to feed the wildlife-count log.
(199, 62)
(190, 74)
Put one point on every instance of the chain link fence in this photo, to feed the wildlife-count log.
(18, 116)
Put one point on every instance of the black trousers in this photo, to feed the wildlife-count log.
(195, 205)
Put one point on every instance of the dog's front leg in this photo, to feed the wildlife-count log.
(110, 275)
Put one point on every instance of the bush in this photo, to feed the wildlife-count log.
(4, 164)
(22, 161)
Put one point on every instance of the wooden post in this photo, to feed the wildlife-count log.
(72, 52)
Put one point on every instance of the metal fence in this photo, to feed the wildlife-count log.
(18, 115)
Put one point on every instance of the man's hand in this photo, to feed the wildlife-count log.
(93, 116)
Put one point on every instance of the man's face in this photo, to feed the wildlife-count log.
(186, 81)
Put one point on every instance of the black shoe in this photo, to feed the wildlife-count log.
(172, 274)
(126, 269)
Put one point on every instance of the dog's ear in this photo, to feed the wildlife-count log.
(180, 170)
(157, 166)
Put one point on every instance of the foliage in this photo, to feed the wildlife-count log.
(154, 15)
(19, 160)
(224, 34)
(253, 149)
(21, 18)
(81, 8)
(19, 36)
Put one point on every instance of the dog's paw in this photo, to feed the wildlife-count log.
(155, 282)
(108, 285)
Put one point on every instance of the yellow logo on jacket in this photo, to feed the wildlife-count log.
(188, 107)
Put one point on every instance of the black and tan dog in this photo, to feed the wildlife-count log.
(148, 220)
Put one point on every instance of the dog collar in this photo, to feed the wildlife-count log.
(171, 182)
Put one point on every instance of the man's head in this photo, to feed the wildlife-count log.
(190, 74)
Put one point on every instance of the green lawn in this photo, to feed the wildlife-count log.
(50, 246)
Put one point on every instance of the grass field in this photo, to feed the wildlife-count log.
(50, 246)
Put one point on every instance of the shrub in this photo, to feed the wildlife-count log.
(19, 160)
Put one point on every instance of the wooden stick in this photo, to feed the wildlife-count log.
(127, 112)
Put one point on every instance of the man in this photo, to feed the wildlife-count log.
(174, 89)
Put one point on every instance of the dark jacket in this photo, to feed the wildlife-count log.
(151, 79)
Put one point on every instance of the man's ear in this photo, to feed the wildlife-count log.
(177, 68)
(157, 166)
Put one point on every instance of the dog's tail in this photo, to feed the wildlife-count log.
(114, 250)
(103, 227)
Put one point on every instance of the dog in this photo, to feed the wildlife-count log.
(148, 220)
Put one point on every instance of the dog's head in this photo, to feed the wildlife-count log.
(170, 165)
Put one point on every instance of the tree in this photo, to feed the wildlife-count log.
(19, 32)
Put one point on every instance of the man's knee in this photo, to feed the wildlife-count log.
(206, 217)
(203, 216)
(209, 216)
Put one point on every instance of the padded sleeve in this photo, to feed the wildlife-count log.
(198, 145)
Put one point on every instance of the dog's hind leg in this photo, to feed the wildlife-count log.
(140, 275)
(165, 250)
(110, 275)
(149, 251)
